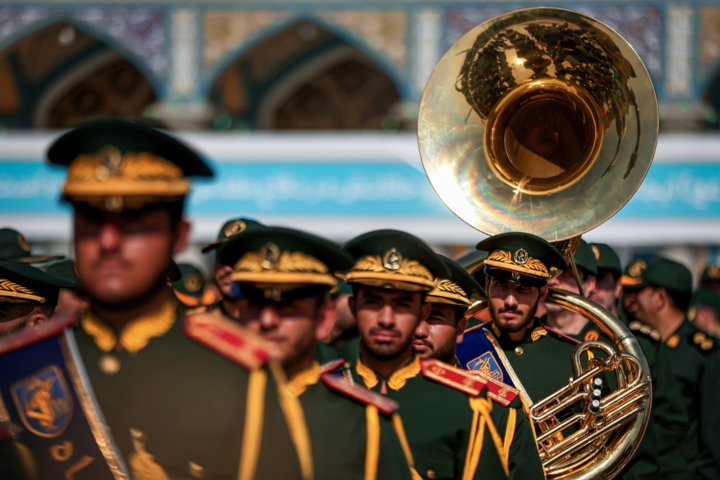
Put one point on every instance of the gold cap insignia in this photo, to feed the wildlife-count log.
(392, 259)
(193, 283)
(636, 268)
(269, 255)
(713, 271)
(233, 228)
(109, 163)
(521, 257)
(596, 251)
(23, 242)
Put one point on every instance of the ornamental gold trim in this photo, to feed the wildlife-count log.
(17, 292)
(448, 292)
(272, 266)
(109, 172)
(530, 266)
(392, 270)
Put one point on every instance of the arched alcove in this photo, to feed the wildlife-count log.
(60, 75)
(303, 78)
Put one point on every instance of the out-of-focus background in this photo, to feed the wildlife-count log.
(307, 111)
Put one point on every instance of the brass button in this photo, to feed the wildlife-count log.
(109, 364)
(519, 350)
(430, 473)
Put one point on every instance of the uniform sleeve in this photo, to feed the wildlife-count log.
(394, 455)
(710, 410)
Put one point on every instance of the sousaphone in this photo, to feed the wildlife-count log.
(545, 121)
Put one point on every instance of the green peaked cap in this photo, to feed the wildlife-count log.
(448, 293)
(277, 263)
(63, 269)
(711, 274)
(607, 258)
(707, 297)
(20, 283)
(191, 282)
(674, 277)
(521, 258)
(395, 260)
(230, 228)
(586, 259)
(15, 248)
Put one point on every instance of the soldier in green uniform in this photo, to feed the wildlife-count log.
(453, 300)
(710, 277)
(669, 421)
(28, 297)
(229, 304)
(453, 430)
(15, 248)
(663, 296)
(344, 340)
(183, 396)
(704, 311)
(628, 302)
(285, 276)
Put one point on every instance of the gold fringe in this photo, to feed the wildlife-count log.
(372, 452)
(252, 433)
(295, 418)
(301, 380)
(367, 374)
(509, 436)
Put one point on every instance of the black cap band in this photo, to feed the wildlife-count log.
(514, 277)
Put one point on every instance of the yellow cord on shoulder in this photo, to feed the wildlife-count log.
(481, 417)
(372, 452)
(509, 435)
(252, 433)
(400, 431)
(296, 420)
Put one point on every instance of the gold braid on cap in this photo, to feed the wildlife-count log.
(531, 266)
(110, 173)
(448, 292)
(400, 273)
(272, 266)
(14, 293)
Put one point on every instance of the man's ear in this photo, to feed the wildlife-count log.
(326, 317)
(182, 234)
(460, 329)
(37, 317)
(543, 294)
(589, 285)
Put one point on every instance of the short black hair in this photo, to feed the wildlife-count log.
(602, 271)
(681, 300)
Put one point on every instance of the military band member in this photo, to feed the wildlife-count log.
(182, 397)
(663, 297)
(453, 300)
(15, 248)
(344, 340)
(627, 308)
(453, 429)
(229, 303)
(285, 277)
(705, 311)
(28, 297)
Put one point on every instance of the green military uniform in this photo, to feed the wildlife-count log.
(15, 248)
(690, 353)
(182, 397)
(454, 431)
(350, 429)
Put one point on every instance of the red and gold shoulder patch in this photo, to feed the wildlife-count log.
(501, 392)
(563, 336)
(452, 377)
(361, 394)
(228, 338)
(331, 365)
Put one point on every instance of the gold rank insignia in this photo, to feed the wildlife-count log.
(673, 341)
(537, 333)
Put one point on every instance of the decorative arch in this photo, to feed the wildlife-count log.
(57, 73)
(317, 79)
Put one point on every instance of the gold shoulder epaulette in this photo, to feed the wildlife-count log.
(501, 392)
(703, 341)
(228, 338)
(361, 394)
(452, 377)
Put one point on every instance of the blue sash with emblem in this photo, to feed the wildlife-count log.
(479, 350)
(46, 401)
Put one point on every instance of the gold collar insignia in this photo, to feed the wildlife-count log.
(495, 329)
(304, 378)
(520, 262)
(136, 334)
(537, 333)
(397, 379)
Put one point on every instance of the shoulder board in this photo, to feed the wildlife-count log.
(452, 377)
(361, 394)
(34, 335)
(477, 327)
(563, 336)
(228, 338)
(500, 392)
(331, 365)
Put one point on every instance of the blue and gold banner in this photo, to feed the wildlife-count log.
(48, 405)
(480, 351)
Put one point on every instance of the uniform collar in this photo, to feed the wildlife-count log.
(682, 332)
(532, 334)
(304, 378)
(397, 379)
(136, 334)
